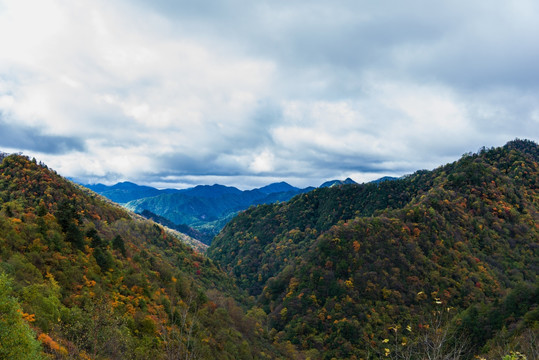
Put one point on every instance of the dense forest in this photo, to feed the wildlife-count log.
(443, 260)
(82, 278)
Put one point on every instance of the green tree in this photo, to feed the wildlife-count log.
(17, 340)
(68, 218)
(118, 244)
(43, 300)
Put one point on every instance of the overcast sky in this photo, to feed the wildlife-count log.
(174, 93)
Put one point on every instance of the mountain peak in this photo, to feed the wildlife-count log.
(211, 191)
(277, 187)
(331, 183)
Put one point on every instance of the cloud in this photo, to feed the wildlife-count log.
(33, 139)
(176, 92)
(466, 43)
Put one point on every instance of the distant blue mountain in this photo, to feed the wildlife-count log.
(205, 208)
(331, 183)
(211, 191)
(278, 188)
(125, 191)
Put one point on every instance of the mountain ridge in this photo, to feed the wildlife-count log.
(204, 208)
(89, 279)
(333, 267)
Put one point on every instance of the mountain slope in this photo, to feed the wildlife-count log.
(302, 219)
(208, 208)
(356, 270)
(184, 229)
(95, 281)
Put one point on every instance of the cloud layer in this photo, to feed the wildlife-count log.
(174, 93)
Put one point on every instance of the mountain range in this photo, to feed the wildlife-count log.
(127, 191)
(438, 264)
(201, 211)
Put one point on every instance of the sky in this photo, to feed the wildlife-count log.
(246, 93)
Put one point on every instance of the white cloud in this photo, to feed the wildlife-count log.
(263, 162)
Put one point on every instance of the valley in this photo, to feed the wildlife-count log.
(439, 264)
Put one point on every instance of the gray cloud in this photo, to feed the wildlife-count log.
(33, 139)
(467, 43)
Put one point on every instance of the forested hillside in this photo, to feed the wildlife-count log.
(81, 278)
(206, 209)
(444, 259)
